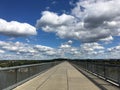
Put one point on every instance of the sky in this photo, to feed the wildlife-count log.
(48, 29)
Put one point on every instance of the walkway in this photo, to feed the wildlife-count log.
(61, 77)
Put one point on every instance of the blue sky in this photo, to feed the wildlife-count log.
(47, 29)
(29, 11)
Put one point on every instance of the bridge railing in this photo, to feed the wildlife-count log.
(108, 72)
(11, 76)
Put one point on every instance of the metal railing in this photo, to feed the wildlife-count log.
(108, 72)
(12, 75)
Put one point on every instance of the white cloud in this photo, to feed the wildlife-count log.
(65, 46)
(53, 18)
(43, 48)
(92, 50)
(14, 28)
(99, 15)
(91, 46)
(52, 22)
(2, 51)
(114, 52)
(19, 50)
(17, 47)
(114, 49)
(89, 21)
(107, 39)
(27, 51)
(70, 42)
(68, 51)
(86, 50)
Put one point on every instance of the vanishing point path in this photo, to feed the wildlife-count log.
(61, 77)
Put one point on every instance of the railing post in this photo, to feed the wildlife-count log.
(118, 69)
(86, 65)
(104, 70)
(16, 78)
(96, 68)
(28, 71)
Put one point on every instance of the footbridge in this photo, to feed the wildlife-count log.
(66, 75)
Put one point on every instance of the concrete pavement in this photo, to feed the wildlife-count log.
(61, 77)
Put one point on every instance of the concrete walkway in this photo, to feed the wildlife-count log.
(61, 77)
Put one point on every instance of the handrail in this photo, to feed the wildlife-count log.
(110, 72)
(109, 65)
(23, 66)
(11, 76)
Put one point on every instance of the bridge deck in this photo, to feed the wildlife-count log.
(61, 77)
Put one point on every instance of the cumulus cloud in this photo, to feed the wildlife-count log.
(65, 46)
(14, 28)
(113, 52)
(114, 49)
(92, 50)
(108, 39)
(100, 17)
(50, 20)
(92, 46)
(70, 42)
(46, 50)
(19, 50)
(89, 21)
(17, 47)
(67, 50)
(27, 51)
(2, 51)
(86, 50)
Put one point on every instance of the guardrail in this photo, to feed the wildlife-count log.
(108, 72)
(10, 76)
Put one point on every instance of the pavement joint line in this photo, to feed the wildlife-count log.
(66, 72)
(46, 79)
(67, 79)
